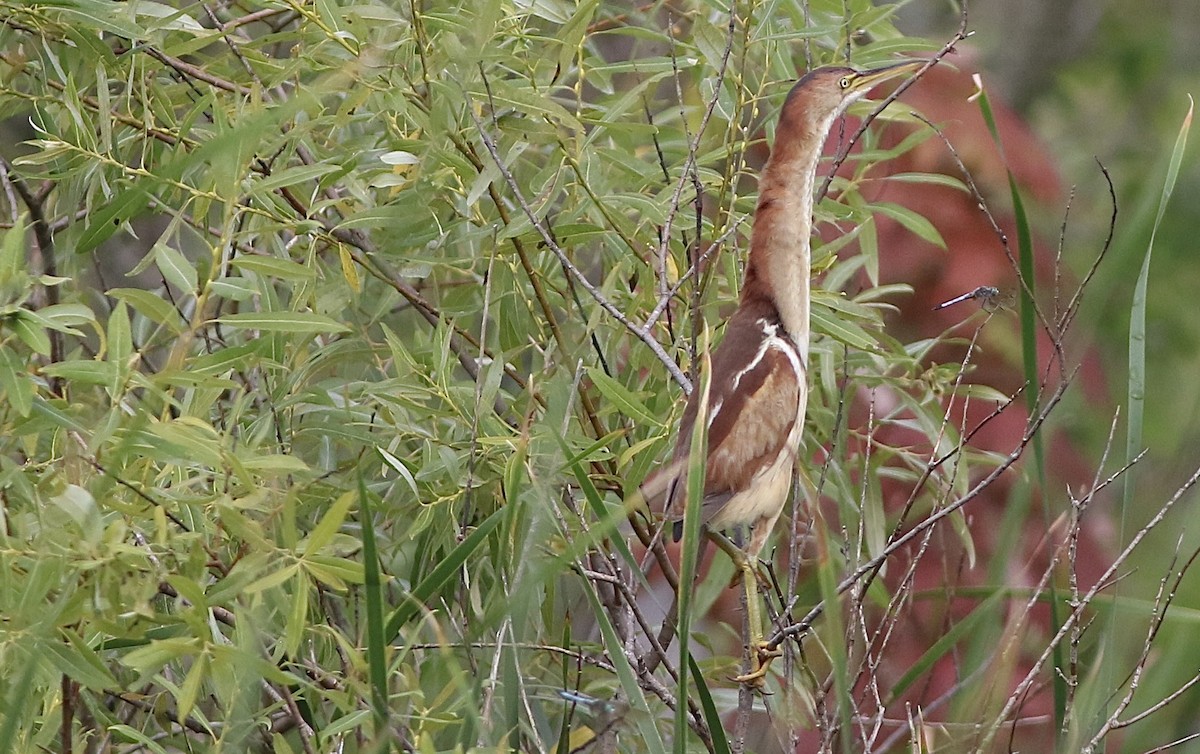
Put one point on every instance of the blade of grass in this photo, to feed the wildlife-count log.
(1136, 396)
(833, 630)
(1029, 357)
(1137, 318)
(698, 452)
(648, 734)
(440, 575)
(960, 630)
(715, 727)
(376, 646)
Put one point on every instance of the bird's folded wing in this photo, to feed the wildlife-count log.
(755, 403)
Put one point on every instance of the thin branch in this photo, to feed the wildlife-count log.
(1067, 625)
(874, 564)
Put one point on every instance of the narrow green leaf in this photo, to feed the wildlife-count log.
(30, 331)
(84, 371)
(712, 717)
(1029, 353)
(151, 306)
(440, 575)
(127, 202)
(648, 734)
(273, 579)
(18, 698)
(693, 512)
(933, 179)
(986, 610)
(18, 388)
(285, 322)
(297, 621)
(376, 645)
(77, 661)
(1137, 316)
(133, 735)
(190, 690)
(292, 176)
(401, 469)
(64, 317)
(624, 400)
(175, 267)
(284, 269)
(330, 523)
(120, 346)
(912, 221)
(842, 330)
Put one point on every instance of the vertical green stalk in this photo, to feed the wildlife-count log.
(1137, 320)
(376, 646)
(692, 514)
(1029, 357)
(1136, 396)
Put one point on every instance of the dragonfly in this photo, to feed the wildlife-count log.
(604, 714)
(988, 296)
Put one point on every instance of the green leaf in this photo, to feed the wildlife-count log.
(174, 20)
(446, 568)
(190, 690)
(1137, 318)
(29, 330)
(273, 579)
(284, 269)
(175, 267)
(151, 306)
(510, 93)
(18, 698)
(930, 179)
(63, 317)
(153, 656)
(985, 611)
(192, 440)
(292, 176)
(330, 523)
(120, 345)
(912, 221)
(693, 511)
(85, 371)
(376, 644)
(647, 732)
(305, 323)
(102, 223)
(76, 660)
(297, 621)
(18, 387)
(401, 469)
(712, 717)
(624, 400)
(842, 330)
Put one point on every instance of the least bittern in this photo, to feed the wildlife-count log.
(758, 389)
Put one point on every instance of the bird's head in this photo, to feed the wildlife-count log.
(824, 93)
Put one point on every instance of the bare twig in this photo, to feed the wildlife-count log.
(1077, 613)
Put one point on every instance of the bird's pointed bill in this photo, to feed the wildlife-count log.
(869, 78)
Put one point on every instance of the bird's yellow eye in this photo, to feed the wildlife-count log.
(845, 82)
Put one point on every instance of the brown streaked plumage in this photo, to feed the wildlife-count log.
(758, 390)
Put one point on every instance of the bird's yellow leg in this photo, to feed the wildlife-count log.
(761, 653)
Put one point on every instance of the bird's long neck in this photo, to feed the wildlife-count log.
(780, 262)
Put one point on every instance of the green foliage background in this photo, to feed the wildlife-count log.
(308, 432)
